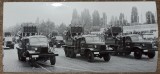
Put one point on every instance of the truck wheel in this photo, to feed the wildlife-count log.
(107, 57)
(90, 56)
(67, 53)
(121, 53)
(18, 52)
(72, 54)
(20, 57)
(53, 60)
(114, 53)
(32, 62)
(12, 47)
(58, 46)
(151, 54)
(23, 58)
(138, 54)
(82, 55)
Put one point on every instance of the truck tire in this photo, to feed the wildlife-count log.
(18, 52)
(12, 47)
(32, 62)
(23, 58)
(82, 55)
(72, 54)
(121, 53)
(58, 46)
(53, 60)
(20, 57)
(151, 54)
(138, 54)
(114, 53)
(66, 52)
(106, 57)
(90, 56)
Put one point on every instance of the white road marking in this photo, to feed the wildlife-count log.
(74, 69)
(44, 68)
(84, 69)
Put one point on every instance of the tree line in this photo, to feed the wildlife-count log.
(94, 22)
(89, 22)
(43, 27)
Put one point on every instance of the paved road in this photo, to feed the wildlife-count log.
(79, 64)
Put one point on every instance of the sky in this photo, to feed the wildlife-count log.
(61, 12)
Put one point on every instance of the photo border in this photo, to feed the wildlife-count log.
(1, 37)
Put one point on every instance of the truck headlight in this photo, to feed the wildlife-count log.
(143, 44)
(36, 49)
(95, 46)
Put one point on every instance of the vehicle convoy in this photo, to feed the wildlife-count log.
(88, 46)
(125, 44)
(36, 48)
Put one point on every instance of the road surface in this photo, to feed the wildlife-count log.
(79, 64)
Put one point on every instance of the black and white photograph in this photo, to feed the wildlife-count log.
(96, 37)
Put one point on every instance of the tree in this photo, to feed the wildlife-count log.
(112, 21)
(121, 19)
(150, 18)
(104, 20)
(86, 20)
(15, 29)
(134, 15)
(46, 27)
(61, 28)
(116, 22)
(96, 20)
(75, 18)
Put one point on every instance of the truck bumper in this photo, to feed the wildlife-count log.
(103, 52)
(154, 49)
(9, 45)
(43, 54)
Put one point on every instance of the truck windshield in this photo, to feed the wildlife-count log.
(136, 38)
(94, 39)
(38, 40)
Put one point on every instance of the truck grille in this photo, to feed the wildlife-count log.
(43, 49)
(9, 42)
(148, 46)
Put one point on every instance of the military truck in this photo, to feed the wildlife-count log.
(88, 46)
(8, 40)
(125, 44)
(59, 41)
(36, 49)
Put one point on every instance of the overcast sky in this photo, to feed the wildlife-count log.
(19, 12)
